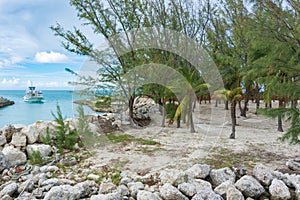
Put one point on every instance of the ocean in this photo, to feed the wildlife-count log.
(28, 113)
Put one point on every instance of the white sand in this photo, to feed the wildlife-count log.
(256, 136)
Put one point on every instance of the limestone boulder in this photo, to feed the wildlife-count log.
(169, 192)
(173, 176)
(219, 176)
(294, 164)
(3, 162)
(198, 171)
(263, 174)
(14, 156)
(44, 149)
(37, 131)
(19, 139)
(250, 187)
(278, 190)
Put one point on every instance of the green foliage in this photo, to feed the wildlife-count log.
(116, 178)
(125, 138)
(35, 158)
(103, 101)
(170, 109)
(293, 115)
(47, 139)
(64, 136)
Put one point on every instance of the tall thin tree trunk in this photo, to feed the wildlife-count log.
(226, 105)
(178, 122)
(245, 108)
(131, 102)
(257, 101)
(192, 123)
(240, 107)
(216, 105)
(233, 119)
(163, 117)
(279, 124)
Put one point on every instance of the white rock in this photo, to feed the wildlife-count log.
(26, 186)
(18, 139)
(3, 162)
(36, 131)
(110, 196)
(51, 181)
(206, 193)
(188, 189)
(123, 190)
(198, 171)
(14, 156)
(2, 139)
(62, 192)
(219, 176)
(173, 176)
(234, 194)
(249, 186)
(279, 190)
(44, 149)
(200, 184)
(263, 174)
(106, 188)
(293, 165)
(51, 168)
(134, 187)
(145, 195)
(86, 188)
(9, 189)
(223, 187)
(169, 192)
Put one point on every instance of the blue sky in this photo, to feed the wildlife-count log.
(29, 51)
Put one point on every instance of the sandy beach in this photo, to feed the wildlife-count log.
(256, 142)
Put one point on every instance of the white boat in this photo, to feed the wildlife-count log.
(33, 96)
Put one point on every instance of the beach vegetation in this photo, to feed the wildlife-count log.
(125, 138)
(35, 158)
(65, 137)
(255, 45)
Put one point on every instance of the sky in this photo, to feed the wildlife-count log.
(29, 51)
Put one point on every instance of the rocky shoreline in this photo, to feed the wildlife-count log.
(5, 102)
(71, 175)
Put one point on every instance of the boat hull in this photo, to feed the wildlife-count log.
(34, 99)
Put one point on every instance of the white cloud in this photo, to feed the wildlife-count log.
(10, 82)
(50, 57)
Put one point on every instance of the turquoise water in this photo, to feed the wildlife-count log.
(28, 113)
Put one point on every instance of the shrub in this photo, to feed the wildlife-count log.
(65, 138)
(35, 158)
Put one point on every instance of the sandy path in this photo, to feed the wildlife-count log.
(256, 141)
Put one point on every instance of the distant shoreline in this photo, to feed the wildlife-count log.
(5, 102)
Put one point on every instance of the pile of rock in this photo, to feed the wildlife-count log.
(141, 110)
(5, 102)
(17, 142)
(198, 182)
(64, 179)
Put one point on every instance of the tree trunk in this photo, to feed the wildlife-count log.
(233, 119)
(245, 108)
(279, 124)
(257, 101)
(178, 122)
(226, 105)
(192, 123)
(240, 107)
(161, 106)
(280, 129)
(131, 102)
(163, 117)
(216, 105)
